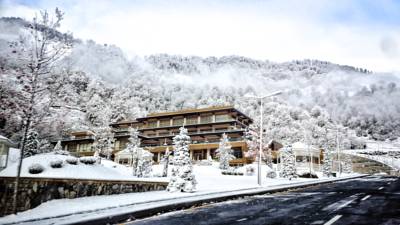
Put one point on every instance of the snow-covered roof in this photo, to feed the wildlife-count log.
(302, 149)
(6, 140)
(301, 145)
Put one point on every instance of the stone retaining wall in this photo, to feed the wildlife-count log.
(34, 191)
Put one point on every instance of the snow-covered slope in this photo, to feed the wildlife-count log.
(106, 170)
(102, 77)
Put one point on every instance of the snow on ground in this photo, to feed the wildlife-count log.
(209, 178)
(106, 170)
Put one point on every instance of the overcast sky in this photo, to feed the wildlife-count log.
(360, 33)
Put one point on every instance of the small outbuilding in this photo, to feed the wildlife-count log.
(306, 156)
(5, 145)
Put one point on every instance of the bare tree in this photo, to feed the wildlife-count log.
(38, 54)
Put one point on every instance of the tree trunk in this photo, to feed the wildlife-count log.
(21, 156)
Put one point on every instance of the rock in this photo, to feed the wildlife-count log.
(72, 194)
(35, 187)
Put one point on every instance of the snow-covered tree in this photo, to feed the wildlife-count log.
(144, 164)
(104, 141)
(141, 159)
(44, 146)
(36, 54)
(133, 147)
(252, 139)
(58, 147)
(328, 154)
(32, 144)
(165, 161)
(288, 163)
(327, 162)
(224, 153)
(182, 178)
(347, 164)
(59, 150)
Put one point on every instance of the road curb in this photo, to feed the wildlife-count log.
(137, 214)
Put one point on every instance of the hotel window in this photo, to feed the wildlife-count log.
(163, 133)
(191, 120)
(222, 117)
(206, 119)
(165, 123)
(175, 132)
(85, 147)
(177, 122)
(237, 152)
(116, 145)
(152, 124)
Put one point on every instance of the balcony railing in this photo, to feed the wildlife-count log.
(192, 124)
(196, 142)
(78, 138)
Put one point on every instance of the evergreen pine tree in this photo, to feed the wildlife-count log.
(327, 163)
(59, 150)
(58, 146)
(182, 178)
(288, 163)
(144, 164)
(224, 153)
(347, 164)
(133, 147)
(31, 144)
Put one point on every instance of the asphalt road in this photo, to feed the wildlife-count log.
(369, 200)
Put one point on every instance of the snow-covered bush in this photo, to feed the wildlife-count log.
(35, 168)
(57, 163)
(232, 171)
(89, 160)
(271, 174)
(72, 160)
(307, 175)
(205, 162)
(250, 170)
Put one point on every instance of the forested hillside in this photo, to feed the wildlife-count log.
(100, 85)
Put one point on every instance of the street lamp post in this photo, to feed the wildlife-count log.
(261, 98)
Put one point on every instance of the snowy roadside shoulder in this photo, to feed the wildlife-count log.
(88, 208)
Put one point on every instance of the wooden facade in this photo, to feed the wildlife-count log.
(205, 127)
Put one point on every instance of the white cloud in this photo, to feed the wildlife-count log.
(260, 29)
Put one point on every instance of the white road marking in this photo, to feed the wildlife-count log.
(317, 222)
(243, 219)
(334, 219)
(342, 203)
(365, 198)
(380, 188)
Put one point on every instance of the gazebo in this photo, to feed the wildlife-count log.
(123, 157)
